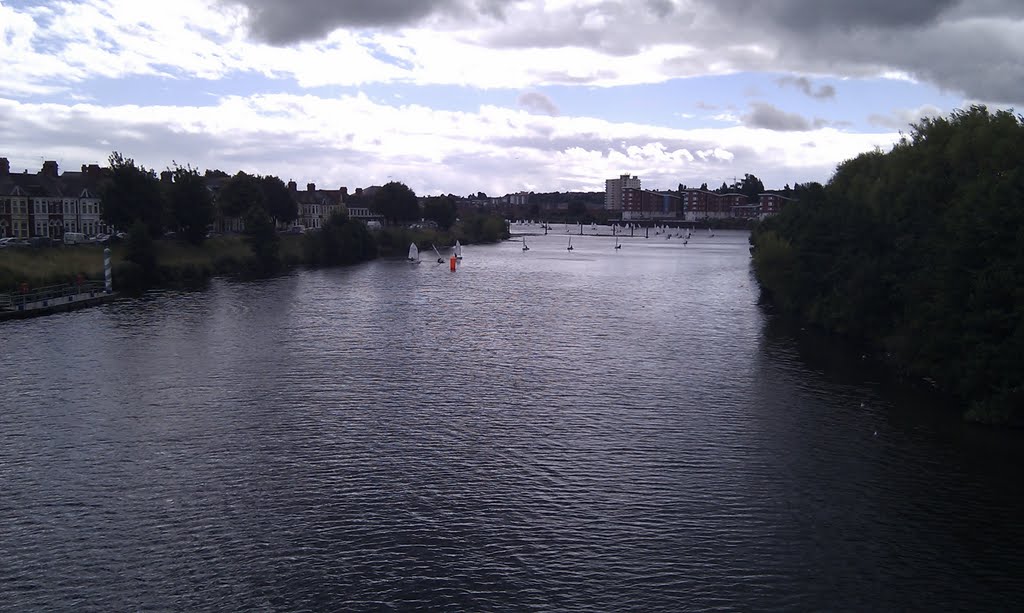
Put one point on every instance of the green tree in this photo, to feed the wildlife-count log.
(262, 237)
(140, 250)
(917, 254)
(751, 187)
(441, 210)
(131, 193)
(190, 204)
(397, 203)
(239, 194)
(280, 204)
(340, 241)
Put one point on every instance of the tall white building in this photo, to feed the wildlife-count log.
(613, 191)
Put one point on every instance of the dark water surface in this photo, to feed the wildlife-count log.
(594, 430)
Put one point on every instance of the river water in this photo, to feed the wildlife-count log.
(598, 430)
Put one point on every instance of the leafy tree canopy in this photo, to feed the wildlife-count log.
(917, 253)
(441, 210)
(281, 205)
(397, 203)
(190, 204)
(131, 193)
(239, 194)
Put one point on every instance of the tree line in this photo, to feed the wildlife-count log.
(919, 254)
(181, 201)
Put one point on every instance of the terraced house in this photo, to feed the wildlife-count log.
(49, 204)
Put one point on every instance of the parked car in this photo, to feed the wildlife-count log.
(6, 241)
(75, 238)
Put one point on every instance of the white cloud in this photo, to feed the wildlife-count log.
(355, 141)
(533, 43)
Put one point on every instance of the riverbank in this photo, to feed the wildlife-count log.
(927, 277)
(177, 263)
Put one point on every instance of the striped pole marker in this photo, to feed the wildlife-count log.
(106, 270)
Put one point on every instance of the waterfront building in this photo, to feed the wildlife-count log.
(48, 204)
(613, 189)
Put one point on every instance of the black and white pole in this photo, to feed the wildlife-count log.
(106, 271)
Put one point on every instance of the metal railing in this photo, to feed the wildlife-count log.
(49, 294)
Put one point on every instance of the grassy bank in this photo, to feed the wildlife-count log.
(179, 263)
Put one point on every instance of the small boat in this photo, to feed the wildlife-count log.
(525, 247)
(440, 260)
(458, 250)
(617, 245)
(710, 233)
(414, 253)
(570, 244)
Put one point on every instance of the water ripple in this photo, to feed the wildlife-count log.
(536, 431)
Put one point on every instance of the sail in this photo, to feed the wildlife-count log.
(458, 249)
(414, 252)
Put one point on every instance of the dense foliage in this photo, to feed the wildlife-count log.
(261, 235)
(280, 204)
(190, 205)
(340, 241)
(441, 210)
(919, 253)
(397, 203)
(131, 194)
(240, 194)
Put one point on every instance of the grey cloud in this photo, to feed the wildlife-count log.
(538, 102)
(902, 119)
(287, 21)
(942, 42)
(803, 15)
(661, 8)
(771, 118)
(804, 84)
(610, 27)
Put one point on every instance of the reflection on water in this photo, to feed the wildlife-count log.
(595, 430)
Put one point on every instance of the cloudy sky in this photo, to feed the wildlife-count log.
(494, 95)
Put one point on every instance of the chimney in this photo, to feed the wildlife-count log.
(310, 187)
(93, 170)
(5, 167)
(359, 191)
(166, 176)
(49, 169)
(292, 186)
(344, 191)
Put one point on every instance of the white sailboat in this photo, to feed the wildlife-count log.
(710, 233)
(440, 260)
(525, 248)
(617, 245)
(570, 244)
(414, 253)
(458, 250)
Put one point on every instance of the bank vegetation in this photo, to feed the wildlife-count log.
(917, 254)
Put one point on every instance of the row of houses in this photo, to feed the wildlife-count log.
(698, 205)
(49, 203)
(625, 195)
